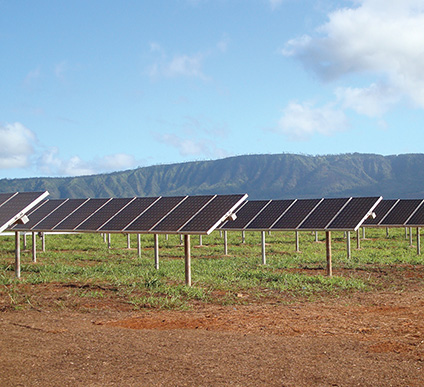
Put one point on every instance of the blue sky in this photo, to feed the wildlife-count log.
(99, 86)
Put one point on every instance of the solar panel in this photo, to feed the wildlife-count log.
(182, 214)
(39, 213)
(17, 205)
(5, 197)
(155, 213)
(245, 214)
(122, 219)
(354, 213)
(213, 214)
(400, 212)
(270, 214)
(323, 214)
(57, 216)
(80, 214)
(380, 211)
(295, 214)
(416, 220)
(103, 215)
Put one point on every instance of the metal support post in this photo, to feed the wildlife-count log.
(328, 249)
(139, 245)
(17, 254)
(187, 260)
(34, 247)
(263, 248)
(349, 254)
(297, 241)
(156, 242)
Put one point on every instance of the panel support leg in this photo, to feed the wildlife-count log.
(187, 260)
(17, 254)
(418, 242)
(128, 241)
(34, 247)
(243, 237)
(410, 236)
(358, 240)
(297, 241)
(328, 249)
(263, 248)
(349, 254)
(139, 245)
(156, 242)
(108, 241)
(225, 243)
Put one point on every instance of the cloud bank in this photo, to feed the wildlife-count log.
(20, 148)
(381, 40)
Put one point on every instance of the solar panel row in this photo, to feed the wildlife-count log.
(179, 214)
(14, 206)
(398, 213)
(304, 214)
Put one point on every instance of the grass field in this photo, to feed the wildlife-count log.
(89, 273)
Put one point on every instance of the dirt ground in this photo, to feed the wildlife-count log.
(362, 339)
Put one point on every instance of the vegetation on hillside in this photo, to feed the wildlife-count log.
(279, 176)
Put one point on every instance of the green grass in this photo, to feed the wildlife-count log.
(89, 271)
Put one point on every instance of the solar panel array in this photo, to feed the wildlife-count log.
(398, 213)
(170, 215)
(13, 206)
(304, 214)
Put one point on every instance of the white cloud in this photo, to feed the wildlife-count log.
(180, 65)
(381, 38)
(192, 146)
(301, 121)
(117, 161)
(371, 101)
(16, 145)
(50, 163)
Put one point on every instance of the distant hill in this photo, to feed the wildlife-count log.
(281, 176)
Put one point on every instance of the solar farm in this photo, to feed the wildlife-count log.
(327, 278)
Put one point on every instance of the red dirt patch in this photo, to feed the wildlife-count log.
(68, 339)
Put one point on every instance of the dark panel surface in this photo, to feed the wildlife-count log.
(270, 214)
(353, 213)
(207, 218)
(46, 207)
(155, 213)
(17, 204)
(128, 214)
(245, 214)
(322, 215)
(4, 197)
(380, 212)
(103, 215)
(295, 214)
(401, 212)
(417, 219)
(80, 214)
(182, 213)
(57, 216)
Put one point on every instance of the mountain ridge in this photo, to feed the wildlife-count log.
(262, 176)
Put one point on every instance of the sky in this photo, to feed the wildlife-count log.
(98, 86)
